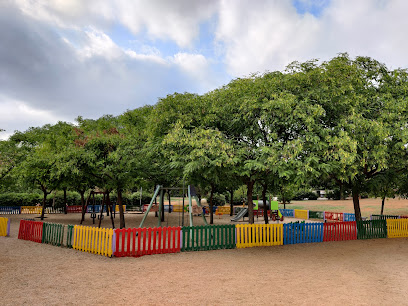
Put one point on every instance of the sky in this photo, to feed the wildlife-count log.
(60, 59)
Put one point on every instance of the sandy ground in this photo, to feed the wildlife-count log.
(361, 272)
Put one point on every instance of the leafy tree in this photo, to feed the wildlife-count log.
(362, 132)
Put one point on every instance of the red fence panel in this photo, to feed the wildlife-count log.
(137, 242)
(30, 230)
(74, 209)
(340, 231)
(333, 216)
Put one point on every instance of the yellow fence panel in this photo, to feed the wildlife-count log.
(253, 235)
(117, 208)
(178, 207)
(31, 209)
(93, 240)
(301, 214)
(4, 226)
(397, 228)
(223, 210)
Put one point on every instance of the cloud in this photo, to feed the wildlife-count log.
(176, 20)
(268, 35)
(20, 116)
(83, 72)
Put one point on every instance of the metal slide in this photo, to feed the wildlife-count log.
(240, 215)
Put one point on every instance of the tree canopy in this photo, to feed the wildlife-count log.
(342, 122)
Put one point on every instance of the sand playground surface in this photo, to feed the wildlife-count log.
(359, 272)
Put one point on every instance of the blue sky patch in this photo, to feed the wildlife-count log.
(314, 7)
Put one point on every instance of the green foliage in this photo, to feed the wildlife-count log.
(300, 195)
(20, 199)
(338, 123)
(218, 199)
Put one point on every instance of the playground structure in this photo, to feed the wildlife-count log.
(160, 191)
(272, 208)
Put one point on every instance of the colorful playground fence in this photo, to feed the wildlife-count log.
(340, 231)
(349, 217)
(223, 210)
(4, 227)
(397, 228)
(253, 235)
(31, 209)
(287, 212)
(30, 230)
(316, 214)
(53, 233)
(301, 214)
(93, 240)
(70, 232)
(74, 209)
(383, 217)
(208, 237)
(302, 233)
(371, 229)
(9, 210)
(137, 242)
(333, 216)
(56, 210)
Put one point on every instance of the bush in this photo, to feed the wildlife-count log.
(218, 199)
(20, 199)
(305, 194)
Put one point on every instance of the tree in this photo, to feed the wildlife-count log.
(363, 131)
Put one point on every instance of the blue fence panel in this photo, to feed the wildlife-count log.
(287, 212)
(349, 217)
(302, 233)
(90, 208)
(10, 210)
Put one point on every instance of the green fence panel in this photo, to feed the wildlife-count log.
(208, 237)
(53, 233)
(316, 214)
(69, 235)
(371, 229)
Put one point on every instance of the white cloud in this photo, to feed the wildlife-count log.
(194, 64)
(20, 116)
(268, 35)
(176, 20)
(99, 44)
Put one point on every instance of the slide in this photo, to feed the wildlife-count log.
(240, 215)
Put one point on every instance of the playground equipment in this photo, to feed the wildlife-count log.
(241, 214)
(161, 190)
(275, 213)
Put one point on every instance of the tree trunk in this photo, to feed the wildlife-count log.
(356, 202)
(82, 194)
(65, 196)
(284, 202)
(211, 205)
(161, 203)
(231, 202)
(264, 189)
(101, 212)
(109, 204)
(168, 194)
(84, 204)
(382, 205)
(121, 212)
(44, 190)
(342, 197)
(250, 189)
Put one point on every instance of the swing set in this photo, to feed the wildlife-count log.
(160, 191)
